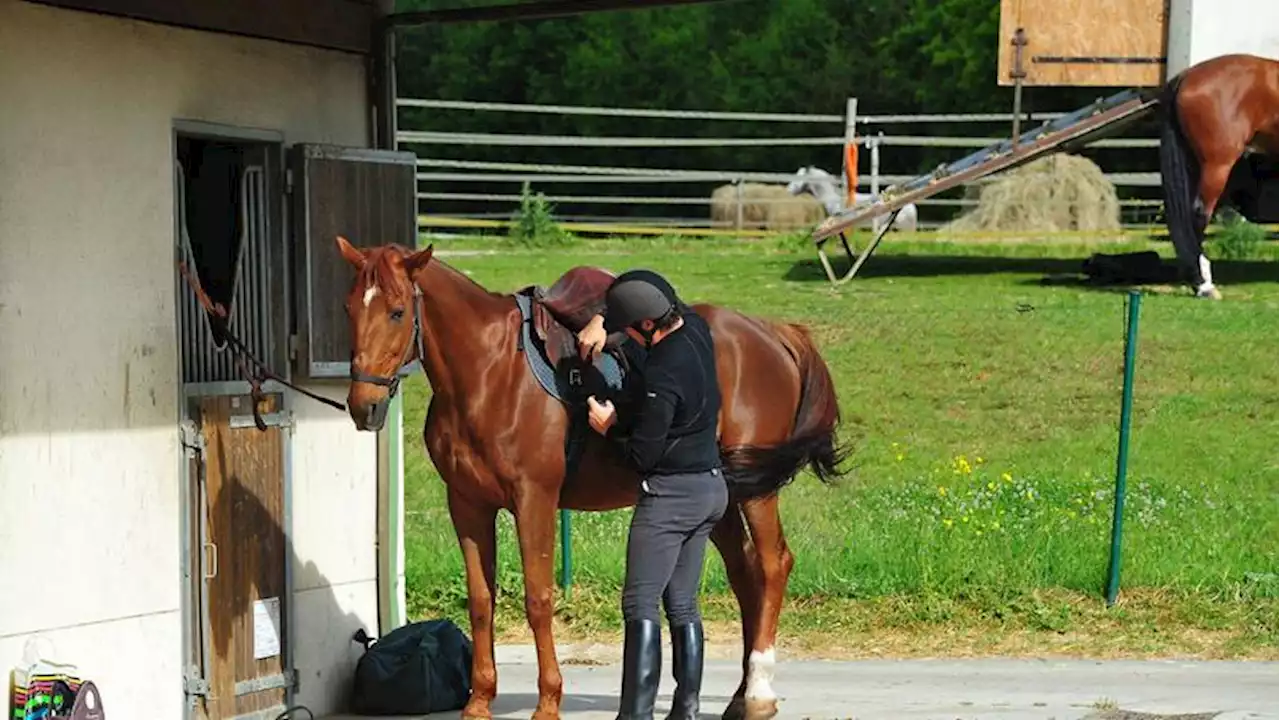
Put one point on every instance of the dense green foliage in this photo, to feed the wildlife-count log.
(800, 56)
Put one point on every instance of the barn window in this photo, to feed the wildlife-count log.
(368, 197)
(230, 239)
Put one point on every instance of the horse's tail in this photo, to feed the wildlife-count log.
(1179, 173)
(755, 471)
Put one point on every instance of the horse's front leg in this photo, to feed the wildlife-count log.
(536, 528)
(474, 525)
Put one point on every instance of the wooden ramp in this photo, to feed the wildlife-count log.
(1104, 117)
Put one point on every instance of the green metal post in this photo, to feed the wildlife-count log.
(1122, 456)
(566, 552)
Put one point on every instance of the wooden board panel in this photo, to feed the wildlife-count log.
(368, 197)
(245, 479)
(1106, 43)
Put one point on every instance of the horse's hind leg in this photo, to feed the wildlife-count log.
(536, 527)
(730, 538)
(1213, 180)
(474, 526)
(774, 560)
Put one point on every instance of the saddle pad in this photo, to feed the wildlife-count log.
(559, 385)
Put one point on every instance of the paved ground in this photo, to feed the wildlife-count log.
(928, 689)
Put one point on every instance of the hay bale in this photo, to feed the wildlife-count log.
(768, 207)
(1056, 193)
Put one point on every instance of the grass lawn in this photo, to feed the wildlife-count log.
(983, 403)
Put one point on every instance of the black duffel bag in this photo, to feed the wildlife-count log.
(420, 668)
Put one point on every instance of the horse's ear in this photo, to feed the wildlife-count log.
(353, 255)
(419, 260)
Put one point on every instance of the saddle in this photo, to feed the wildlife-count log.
(576, 296)
(550, 321)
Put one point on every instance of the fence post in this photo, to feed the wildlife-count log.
(875, 163)
(1122, 454)
(850, 150)
(737, 185)
(566, 552)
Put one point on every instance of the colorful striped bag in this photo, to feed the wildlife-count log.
(45, 690)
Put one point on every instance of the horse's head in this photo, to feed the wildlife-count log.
(386, 331)
(796, 186)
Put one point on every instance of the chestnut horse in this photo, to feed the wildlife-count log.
(497, 439)
(1211, 112)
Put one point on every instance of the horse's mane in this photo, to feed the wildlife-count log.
(380, 269)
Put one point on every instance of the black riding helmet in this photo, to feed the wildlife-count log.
(638, 295)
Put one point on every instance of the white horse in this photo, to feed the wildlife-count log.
(825, 187)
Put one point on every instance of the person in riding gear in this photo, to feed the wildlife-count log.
(672, 443)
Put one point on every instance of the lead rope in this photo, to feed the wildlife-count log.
(218, 317)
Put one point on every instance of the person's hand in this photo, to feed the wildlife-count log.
(601, 416)
(592, 338)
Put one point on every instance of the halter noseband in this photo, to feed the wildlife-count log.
(417, 347)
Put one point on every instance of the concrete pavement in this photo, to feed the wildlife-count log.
(984, 689)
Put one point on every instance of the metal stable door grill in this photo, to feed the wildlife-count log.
(204, 359)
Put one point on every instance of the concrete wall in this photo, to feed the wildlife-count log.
(89, 445)
(1202, 29)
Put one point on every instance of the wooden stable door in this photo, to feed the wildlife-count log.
(243, 635)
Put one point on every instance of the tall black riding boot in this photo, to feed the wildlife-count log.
(641, 669)
(686, 668)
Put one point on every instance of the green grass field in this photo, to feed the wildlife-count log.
(983, 404)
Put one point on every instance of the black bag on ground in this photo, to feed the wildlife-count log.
(420, 668)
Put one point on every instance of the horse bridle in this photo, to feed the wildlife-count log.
(416, 348)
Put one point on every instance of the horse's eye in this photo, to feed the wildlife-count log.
(397, 315)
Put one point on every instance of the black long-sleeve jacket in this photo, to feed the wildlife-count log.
(674, 430)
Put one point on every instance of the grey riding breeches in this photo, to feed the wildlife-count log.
(667, 542)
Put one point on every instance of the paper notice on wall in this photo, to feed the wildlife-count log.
(266, 628)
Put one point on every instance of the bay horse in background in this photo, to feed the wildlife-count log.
(1211, 112)
(497, 438)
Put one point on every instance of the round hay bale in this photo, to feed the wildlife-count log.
(1056, 193)
(764, 206)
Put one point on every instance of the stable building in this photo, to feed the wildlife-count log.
(189, 563)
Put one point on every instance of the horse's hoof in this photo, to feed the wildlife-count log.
(541, 714)
(760, 709)
(1210, 293)
(736, 710)
(477, 712)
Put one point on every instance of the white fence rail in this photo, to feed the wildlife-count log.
(864, 129)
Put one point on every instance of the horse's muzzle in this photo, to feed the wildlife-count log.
(374, 416)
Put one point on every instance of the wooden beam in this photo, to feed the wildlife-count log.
(346, 25)
(537, 10)
(382, 90)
